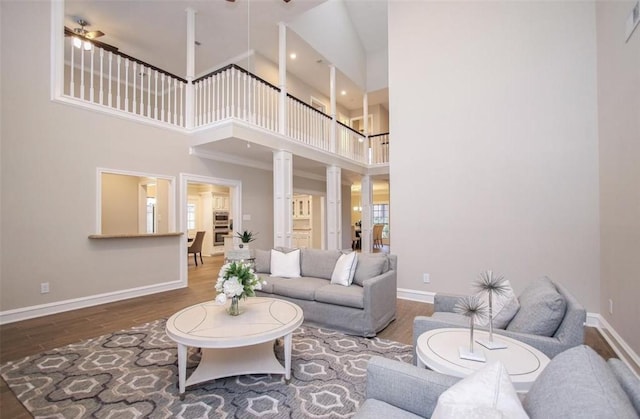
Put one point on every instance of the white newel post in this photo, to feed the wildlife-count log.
(282, 78)
(191, 64)
(365, 115)
(366, 229)
(282, 196)
(334, 208)
(332, 92)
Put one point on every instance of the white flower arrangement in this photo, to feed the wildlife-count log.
(237, 279)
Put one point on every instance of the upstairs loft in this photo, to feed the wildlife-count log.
(230, 114)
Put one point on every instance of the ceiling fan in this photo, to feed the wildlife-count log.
(89, 36)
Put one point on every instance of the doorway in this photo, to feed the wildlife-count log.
(212, 205)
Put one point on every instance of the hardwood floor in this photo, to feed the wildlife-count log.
(30, 337)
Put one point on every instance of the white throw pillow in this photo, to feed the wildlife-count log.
(505, 306)
(345, 269)
(286, 265)
(487, 393)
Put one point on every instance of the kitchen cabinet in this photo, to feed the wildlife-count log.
(301, 206)
(220, 202)
(301, 239)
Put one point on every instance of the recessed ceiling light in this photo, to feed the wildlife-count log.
(293, 55)
(344, 92)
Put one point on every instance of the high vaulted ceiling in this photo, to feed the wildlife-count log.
(155, 31)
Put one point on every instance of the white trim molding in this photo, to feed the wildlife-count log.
(25, 313)
(415, 295)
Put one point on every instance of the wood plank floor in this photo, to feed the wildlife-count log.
(30, 337)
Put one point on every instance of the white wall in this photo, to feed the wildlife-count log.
(619, 128)
(495, 148)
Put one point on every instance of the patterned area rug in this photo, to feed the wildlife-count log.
(133, 374)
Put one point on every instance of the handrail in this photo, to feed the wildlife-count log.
(114, 50)
(240, 69)
(378, 135)
(308, 106)
(351, 129)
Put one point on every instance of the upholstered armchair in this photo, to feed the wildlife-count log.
(549, 318)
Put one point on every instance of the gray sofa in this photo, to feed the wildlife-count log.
(364, 308)
(550, 319)
(577, 383)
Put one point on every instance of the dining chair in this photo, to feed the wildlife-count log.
(196, 246)
(355, 239)
(377, 234)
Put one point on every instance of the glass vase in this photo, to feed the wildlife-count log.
(234, 308)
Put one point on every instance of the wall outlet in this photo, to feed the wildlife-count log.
(44, 288)
(426, 278)
(610, 306)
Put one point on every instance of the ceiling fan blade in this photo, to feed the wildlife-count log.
(94, 34)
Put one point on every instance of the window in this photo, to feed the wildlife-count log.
(191, 216)
(381, 216)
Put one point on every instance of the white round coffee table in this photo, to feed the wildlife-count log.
(234, 345)
(438, 350)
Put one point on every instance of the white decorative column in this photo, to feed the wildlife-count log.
(366, 196)
(282, 195)
(334, 208)
(191, 65)
(332, 93)
(282, 78)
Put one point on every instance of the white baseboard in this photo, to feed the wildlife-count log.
(415, 295)
(10, 316)
(617, 343)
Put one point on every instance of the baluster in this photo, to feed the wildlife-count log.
(126, 85)
(198, 104)
(82, 74)
(226, 94)
(101, 95)
(162, 98)
(110, 94)
(175, 101)
(72, 85)
(91, 90)
(134, 104)
(211, 103)
(141, 74)
(155, 95)
(218, 92)
(118, 99)
(169, 99)
(149, 92)
(182, 104)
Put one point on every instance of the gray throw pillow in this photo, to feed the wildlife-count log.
(542, 309)
(263, 261)
(577, 384)
(370, 265)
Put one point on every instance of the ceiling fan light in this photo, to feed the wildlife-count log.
(86, 45)
(77, 42)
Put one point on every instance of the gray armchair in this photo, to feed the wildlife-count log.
(569, 333)
(576, 384)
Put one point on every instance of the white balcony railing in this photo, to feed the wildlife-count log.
(120, 83)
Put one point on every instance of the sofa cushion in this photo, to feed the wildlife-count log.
(345, 269)
(576, 383)
(370, 265)
(303, 288)
(487, 393)
(542, 309)
(373, 408)
(318, 263)
(263, 261)
(285, 265)
(629, 382)
(504, 307)
(352, 296)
